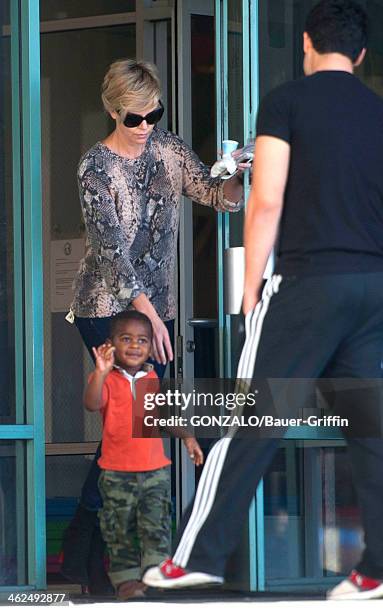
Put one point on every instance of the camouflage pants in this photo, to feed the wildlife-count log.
(135, 520)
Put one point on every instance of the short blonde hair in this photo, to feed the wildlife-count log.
(130, 84)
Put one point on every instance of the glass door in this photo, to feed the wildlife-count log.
(197, 354)
(214, 98)
(237, 100)
(304, 528)
(237, 88)
(22, 526)
(73, 120)
(198, 224)
(310, 509)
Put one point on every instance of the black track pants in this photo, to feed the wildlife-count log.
(324, 331)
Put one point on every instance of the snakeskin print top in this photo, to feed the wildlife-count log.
(131, 213)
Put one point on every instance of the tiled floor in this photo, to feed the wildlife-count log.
(217, 600)
(247, 606)
(211, 601)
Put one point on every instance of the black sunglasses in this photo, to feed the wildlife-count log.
(131, 120)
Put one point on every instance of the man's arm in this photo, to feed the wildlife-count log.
(264, 209)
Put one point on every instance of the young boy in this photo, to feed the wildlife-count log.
(135, 477)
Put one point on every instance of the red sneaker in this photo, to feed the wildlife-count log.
(357, 586)
(167, 575)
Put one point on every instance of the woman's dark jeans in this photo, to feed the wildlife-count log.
(94, 332)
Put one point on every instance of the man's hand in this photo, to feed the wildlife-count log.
(104, 356)
(194, 450)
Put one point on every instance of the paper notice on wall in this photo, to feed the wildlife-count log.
(65, 261)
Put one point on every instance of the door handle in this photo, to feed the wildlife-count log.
(203, 323)
(234, 279)
(190, 346)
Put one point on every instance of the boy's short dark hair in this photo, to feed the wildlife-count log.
(338, 26)
(130, 315)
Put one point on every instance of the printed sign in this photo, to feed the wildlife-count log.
(65, 260)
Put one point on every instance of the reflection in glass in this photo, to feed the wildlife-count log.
(312, 521)
(312, 524)
(281, 26)
(13, 542)
(235, 131)
(284, 515)
(7, 383)
(204, 144)
(4, 13)
(235, 99)
(65, 476)
(72, 112)
(235, 71)
(371, 70)
(66, 9)
(342, 535)
(73, 120)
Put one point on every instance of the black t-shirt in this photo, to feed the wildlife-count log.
(332, 219)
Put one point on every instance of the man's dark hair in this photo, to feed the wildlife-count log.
(130, 315)
(338, 26)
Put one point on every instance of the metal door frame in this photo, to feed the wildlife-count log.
(28, 431)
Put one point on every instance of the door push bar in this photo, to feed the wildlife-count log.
(234, 279)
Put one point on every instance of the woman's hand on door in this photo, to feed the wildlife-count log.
(161, 346)
(162, 350)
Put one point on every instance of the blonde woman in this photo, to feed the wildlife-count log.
(131, 184)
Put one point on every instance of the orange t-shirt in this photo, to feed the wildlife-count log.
(122, 415)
